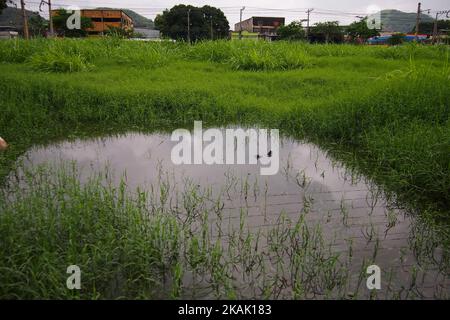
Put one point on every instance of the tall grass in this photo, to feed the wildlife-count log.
(75, 55)
(165, 242)
(53, 61)
(121, 250)
(239, 55)
(255, 56)
(402, 131)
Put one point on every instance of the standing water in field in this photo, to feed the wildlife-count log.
(310, 231)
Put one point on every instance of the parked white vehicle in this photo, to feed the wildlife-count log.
(7, 32)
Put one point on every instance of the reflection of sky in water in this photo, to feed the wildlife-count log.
(141, 155)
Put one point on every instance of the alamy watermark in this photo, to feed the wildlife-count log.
(74, 20)
(374, 17)
(374, 280)
(74, 280)
(236, 146)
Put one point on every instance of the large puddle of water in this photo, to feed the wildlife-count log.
(350, 213)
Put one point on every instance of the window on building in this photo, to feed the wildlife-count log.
(106, 19)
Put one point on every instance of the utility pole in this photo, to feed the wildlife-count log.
(240, 23)
(189, 26)
(418, 19)
(26, 33)
(50, 18)
(51, 31)
(212, 34)
(435, 27)
(419, 11)
(307, 23)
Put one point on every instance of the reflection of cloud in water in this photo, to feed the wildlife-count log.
(140, 155)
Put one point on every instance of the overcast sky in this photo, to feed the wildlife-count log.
(344, 11)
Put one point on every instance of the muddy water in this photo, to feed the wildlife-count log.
(354, 220)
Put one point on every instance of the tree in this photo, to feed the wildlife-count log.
(360, 30)
(3, 4)
(60, 25)
(327, 31)
(37, 25)
(205, 23)
(292, 31)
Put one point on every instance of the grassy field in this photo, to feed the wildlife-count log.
(384, 111)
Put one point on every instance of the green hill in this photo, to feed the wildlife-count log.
(139, 21)
(13, 17)
(399, 21)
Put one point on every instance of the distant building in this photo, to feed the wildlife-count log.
(102, 20)
(265, 27)
(148, 34)
(8, 32)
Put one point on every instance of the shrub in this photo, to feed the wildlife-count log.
(18, 51)
(52, 61)
(142, 55)
(267, 56)
(396, 39)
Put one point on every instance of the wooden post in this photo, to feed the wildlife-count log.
(26, 32)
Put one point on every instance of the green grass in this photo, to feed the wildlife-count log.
(382, 110)
(53, 61)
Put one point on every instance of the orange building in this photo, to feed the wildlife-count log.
(103, 19)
